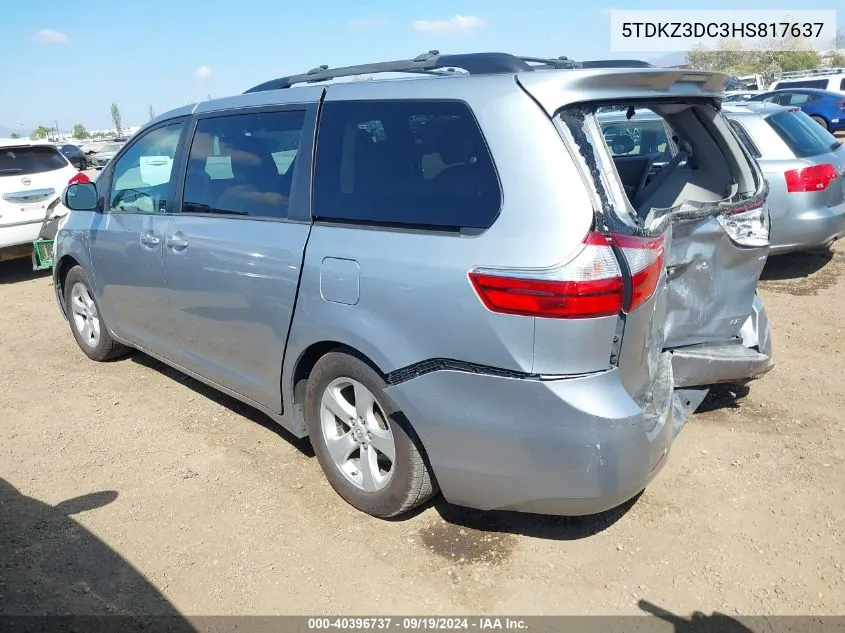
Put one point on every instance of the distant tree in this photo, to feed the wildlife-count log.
(796, 59)
(208, 96)
(15, 135)
(728, 56)
(41, 132)
(79, 131)
(837, 60)
(115, 117)
(152, 112)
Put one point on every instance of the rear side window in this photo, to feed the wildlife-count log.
(635, 138)
(804, 136)
(419, 163)
(23, 161)
(743, 135)
(842, 84)
(243, 164)
(798, 98)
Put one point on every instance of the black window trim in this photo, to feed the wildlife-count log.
(415, 227)
(299, 204)
(104, 194)
(742, 131)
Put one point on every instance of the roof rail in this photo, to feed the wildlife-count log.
(433, 62)
(812, 72)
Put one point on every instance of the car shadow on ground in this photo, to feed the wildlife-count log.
(795, 265)
(50, 565)
(724, 396)
(15, 271)
(555, 528)
(233, 404)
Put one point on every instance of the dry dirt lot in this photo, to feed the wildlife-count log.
(127, 487)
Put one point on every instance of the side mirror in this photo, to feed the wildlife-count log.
(80, 196)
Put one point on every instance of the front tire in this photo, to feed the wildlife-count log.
(367, 449)
(86, 321)
(820, 121)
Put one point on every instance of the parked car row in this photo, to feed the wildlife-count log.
(93, 155)
(825, 107)
(520, 316)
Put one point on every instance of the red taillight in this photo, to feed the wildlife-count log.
(590, 285)
(79, 179)
(645, 259)
(814, 178)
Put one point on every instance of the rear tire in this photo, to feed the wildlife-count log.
(86, 321)
(820, 121)
(375, 461)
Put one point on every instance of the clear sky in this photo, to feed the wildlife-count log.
(68, 61)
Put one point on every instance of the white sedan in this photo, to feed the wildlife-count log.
(33, 176)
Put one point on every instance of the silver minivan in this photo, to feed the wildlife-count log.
(447, 282)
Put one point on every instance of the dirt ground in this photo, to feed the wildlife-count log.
(127, 487)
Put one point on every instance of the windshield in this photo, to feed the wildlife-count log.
(29, 160)
(804, 136)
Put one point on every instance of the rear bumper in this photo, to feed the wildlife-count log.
(747, 357)
(572, 446)
(807, 229)
(18, 234)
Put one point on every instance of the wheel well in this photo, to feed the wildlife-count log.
(65, 264)
(305, 365)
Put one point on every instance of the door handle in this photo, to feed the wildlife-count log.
(150, 239)
(177, 242)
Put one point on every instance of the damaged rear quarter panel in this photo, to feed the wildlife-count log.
(711, 276)
(711, 282)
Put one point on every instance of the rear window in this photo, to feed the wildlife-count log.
(806, 83)
(804, 136)
(29, 160)
(409, 162)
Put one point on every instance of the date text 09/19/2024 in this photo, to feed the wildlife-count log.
(417, 623)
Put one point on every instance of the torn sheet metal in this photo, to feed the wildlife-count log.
(756, 332)
(707, 365)
(684, 403)
(662, 403)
